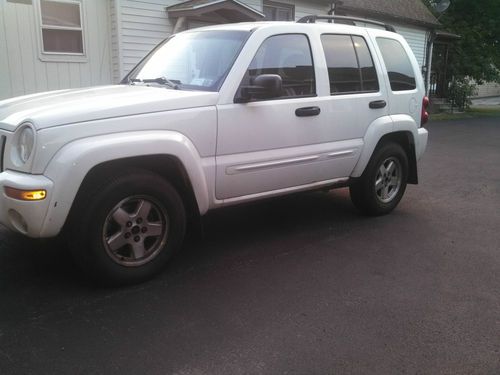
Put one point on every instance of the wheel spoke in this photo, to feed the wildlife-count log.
(379, 184)
(138, 249)
(154, 229)
(394, 181)
(382, 169)
(391, 167)
(116, 241)
(143, 209)
(121, 216)
(385, 192)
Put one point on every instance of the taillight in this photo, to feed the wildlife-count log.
(425, 115)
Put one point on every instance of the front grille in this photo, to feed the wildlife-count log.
(2, 149)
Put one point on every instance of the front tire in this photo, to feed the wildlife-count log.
(125, 227)
(383, 183)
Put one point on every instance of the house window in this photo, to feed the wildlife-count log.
(61, 27)
(279, 11)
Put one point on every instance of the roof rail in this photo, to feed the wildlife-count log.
(313, 18)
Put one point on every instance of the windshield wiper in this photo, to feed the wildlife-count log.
(161, 80)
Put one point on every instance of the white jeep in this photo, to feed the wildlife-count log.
(212, 117)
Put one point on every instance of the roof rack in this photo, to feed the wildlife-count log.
(313, 18)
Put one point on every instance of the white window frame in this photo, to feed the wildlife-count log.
(279, 5)
(61, 56)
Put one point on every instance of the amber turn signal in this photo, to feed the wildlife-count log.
(25, 195)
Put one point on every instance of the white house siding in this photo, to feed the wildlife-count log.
(22, 71)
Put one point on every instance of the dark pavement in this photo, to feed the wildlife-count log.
(299, 285)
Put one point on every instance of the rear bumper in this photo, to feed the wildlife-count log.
(421, 143)
(26, 217)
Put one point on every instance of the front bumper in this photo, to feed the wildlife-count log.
(26, 217)
(421, 143)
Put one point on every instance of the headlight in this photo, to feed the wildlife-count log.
(24, 141)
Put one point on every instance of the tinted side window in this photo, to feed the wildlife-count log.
(399, 68)
(289, 56)
(350, 65)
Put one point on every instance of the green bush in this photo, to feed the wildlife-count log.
(460, 93)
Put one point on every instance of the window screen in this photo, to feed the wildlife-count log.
(399, 68)
(289, 56)
(350, 65)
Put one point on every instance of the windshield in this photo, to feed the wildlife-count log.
(193, 60)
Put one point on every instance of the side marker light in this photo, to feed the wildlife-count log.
(25, 195)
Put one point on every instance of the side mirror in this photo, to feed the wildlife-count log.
(264, 86)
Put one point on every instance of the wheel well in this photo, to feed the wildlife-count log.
(166, 166)
(405, 140)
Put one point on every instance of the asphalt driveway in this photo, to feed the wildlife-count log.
(300, 285)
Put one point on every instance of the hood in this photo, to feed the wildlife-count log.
(62, 107)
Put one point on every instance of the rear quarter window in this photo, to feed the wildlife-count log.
(397, 62)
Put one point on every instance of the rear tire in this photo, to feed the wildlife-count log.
(124, 228)
(383, 183)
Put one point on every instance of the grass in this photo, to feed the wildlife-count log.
(470, 113)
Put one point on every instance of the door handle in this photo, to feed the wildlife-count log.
(377, 104)
(308, 111)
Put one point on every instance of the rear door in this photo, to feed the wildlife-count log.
(358, 95)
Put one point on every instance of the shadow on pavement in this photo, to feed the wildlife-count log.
(47, 262)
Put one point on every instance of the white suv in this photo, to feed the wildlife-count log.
(212, 117)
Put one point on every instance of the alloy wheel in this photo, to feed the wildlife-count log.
(135, 230)
(388, 180)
